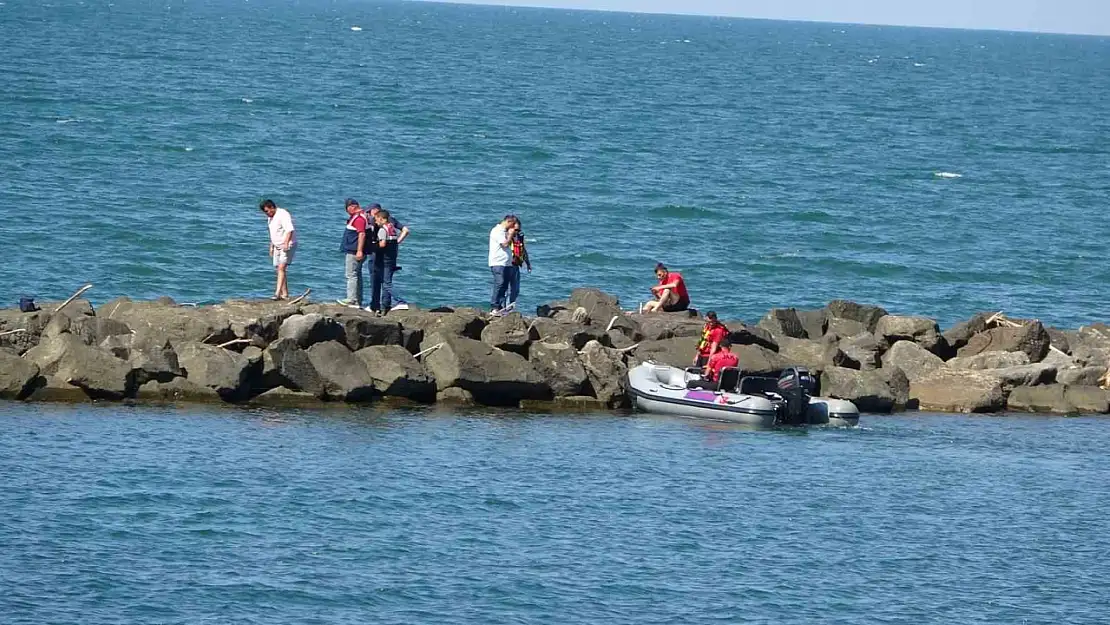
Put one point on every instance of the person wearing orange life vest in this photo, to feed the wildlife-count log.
(721, 359)
(712, 335)
(670, 294)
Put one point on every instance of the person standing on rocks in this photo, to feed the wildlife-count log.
(354, 247)
(501, 261)
(519, 258)
(670, 294)
(283, 240)
(389, 235)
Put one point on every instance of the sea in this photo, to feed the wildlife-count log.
(933, 172)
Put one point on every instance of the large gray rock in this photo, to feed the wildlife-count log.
(958, 390)
(607, 373)
(843, 328)
(676, 352)
(285, 364)
(1030, 338)
(365, 330)
(958, 335)
(492, 376)
(397, 373)
(98, 373)
(814, 322)
(177, 389)
(308, 330)
(871, 390)
(226, 372)
(559, 364)
(758, 360)
(989, 360)
(1079, 376)
(256, 320)
(659, 326)
(1024, 375)
(864, 313)
(741, 333)
(17, 376)
(813, 355)
(1060, 339)
(91, 330)
(603, 309)
(462, 322)
(913, 359)
(281, 397)
(921, 330)
(346, 377)
(510, 333)
(154, 321)
(783, 322)
(155, 362)
(575, 334)
(1059, 399)
(863, 351)
(30, 327)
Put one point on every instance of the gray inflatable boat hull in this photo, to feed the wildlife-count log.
(661, 389)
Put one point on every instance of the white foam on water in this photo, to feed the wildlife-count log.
(683, 41)
(356, 28)
(947, 174)
(248, 101)
(190, 149)
(915, 65)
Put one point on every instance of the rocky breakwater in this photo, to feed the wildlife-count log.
(574, 353)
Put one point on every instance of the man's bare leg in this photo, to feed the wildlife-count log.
(665, 298)
(282, 282)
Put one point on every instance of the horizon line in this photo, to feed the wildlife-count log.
(993, 29)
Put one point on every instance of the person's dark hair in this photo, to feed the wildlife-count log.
(711, 315)
(350, 202)
(264, 204)
(660, 267)
(375, 205)
(725, 342)
(384, 214)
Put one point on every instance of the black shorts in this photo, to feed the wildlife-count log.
(678, 306)
(701, 361)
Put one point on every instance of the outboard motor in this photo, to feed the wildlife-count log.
(796, 385)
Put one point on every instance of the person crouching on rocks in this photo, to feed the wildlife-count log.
(670, 294)
(283, 239)
(721, 359)
(712, 336)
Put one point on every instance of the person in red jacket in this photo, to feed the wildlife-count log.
(711, 336)
(670, 294)
(721, 359)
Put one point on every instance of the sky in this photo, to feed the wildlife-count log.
(1090, 17)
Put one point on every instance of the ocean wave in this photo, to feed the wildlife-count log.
(947, 174)
(811, 216)
(356, 29)
(680, 211)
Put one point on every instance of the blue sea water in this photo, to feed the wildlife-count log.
(116, 515)
(933, 172)
(774, 163)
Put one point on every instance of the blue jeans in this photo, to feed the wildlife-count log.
(502, 279)
(514, 284)
(353, 271)
(382, 294)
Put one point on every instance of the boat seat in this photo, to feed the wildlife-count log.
(729, 379)
(758, 385)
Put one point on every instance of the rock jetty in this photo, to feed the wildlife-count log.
(573, 353)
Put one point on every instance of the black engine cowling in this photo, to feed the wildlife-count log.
(796, 385)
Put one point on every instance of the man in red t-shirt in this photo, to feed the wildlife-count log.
(670, 294)
(721, 359)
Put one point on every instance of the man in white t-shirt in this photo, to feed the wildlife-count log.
(501, 261)
(283, 239)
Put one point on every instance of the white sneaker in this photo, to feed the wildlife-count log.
(508, 309)
(400, 307)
